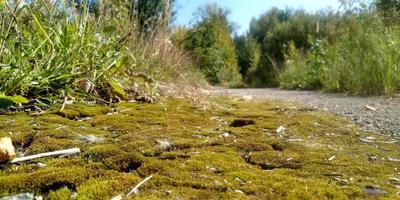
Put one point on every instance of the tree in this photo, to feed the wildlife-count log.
(151, 14)
(211, 43)
(275, 29)
(389, 9)
(248, 55)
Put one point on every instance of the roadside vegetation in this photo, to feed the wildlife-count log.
(352, 50)
(210, 43)
(102, 52)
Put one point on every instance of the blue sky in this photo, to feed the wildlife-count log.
(242, 11)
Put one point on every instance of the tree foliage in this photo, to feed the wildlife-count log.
(248, 55)
(151, 14)
(389, 9)
(211, 44)
(274, 30)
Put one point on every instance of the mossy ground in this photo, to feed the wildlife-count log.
(319, 156)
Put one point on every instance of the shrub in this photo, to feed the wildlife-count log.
(301, 70)
(366, 59)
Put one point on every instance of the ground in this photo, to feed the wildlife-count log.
(385, 119)
(202, 148)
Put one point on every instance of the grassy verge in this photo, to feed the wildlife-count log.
(52, 51)
(192, 151)
(364, 61)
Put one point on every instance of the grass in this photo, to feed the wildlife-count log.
(51, 51)
(207, 157)
(47, 51)
(364, 61)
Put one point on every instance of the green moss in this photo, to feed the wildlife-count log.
(113, 158)
(107, 188)
(80, 110)
(318, 155)
(61, 194)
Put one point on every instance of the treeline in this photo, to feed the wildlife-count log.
(353, 50)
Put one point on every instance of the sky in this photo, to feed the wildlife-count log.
(242, 11)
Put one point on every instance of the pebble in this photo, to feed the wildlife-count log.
(374, 190)
(41, 165)
(22, 196)
(280, 130)
(373, 158)
(225, 135)
(7, 150)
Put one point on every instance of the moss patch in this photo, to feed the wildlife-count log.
(193, 151)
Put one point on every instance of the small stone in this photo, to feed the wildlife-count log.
(168, 192)
(373, 190)
(373, 158)
(90, 138)
(39, 198)
(22, 196)
(370, 108)
(247, 97)
(225, 135)
(74, 195)
(163, 145)
(41, 165)
(7, 150)
(280, 130)
(118, 197)
(216, 170)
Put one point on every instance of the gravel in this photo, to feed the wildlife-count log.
(378, 114)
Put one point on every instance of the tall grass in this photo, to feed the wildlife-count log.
(364, 61)
(48, 51)
(52, 50)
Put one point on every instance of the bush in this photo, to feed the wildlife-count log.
(301, 70)
(366, 59)
(363, 61)
(210, 42)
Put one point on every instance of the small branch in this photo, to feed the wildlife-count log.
(48, 154)
(135, 189)
(64, 103)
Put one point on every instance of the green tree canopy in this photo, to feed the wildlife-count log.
(211, 44)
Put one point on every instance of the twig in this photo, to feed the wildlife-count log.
(135, 189)
(48, 154)
(64, 103)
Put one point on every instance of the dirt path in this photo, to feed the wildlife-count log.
(385, 119)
